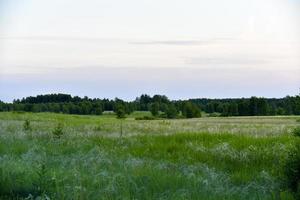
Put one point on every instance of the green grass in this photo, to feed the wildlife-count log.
(207, 158)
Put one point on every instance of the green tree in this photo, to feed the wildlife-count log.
(190, 110)
(253, 106)
(225, 109)
(154, 108)
(98, 111)
(120, 111)
(243, 107)
(262, 107)
(65, 108)
(171, 111)
(233, 109)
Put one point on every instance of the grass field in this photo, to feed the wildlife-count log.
(206, 158)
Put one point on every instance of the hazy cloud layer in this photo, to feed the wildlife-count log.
(57, 38)
(185, 42)
(230, 60)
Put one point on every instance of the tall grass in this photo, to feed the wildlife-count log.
(86, 164)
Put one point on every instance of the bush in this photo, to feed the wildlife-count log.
(190, 110)
(162, 115)
(145, 118)
(292, 171)
(120, 111)
(214, 114)
(154, 109)
(171, 112)
(18, 112)
(58, 130)
(296, 131)
(26, 125)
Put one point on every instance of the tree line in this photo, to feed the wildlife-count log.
(159, 105)
(254, 106)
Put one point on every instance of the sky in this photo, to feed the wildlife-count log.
(182, 49)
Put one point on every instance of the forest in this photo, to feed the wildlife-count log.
(158, 105)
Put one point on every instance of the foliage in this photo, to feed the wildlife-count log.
(26, 125)
(214, 114)
(292, 171)
(254, 106)
(296, 131)
(171, 112)
(120, 111)
(190, 110)
(65, 103)
(58, 130)
(145, 118)
(42, 179)
(154, 108)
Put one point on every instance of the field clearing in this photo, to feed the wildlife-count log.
(206, 158)
(108, 125)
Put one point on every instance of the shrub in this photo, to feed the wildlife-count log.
(18, 112)
(190, 110)
(292, 171)
(162, 115)
(58, 130)
(145, 118)
(41, 183)
(26, 125)
(296, 131)
(171, 112)
(214, 114)
(154, 109)
(120, 111)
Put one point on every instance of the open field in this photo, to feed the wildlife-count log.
(206, 158)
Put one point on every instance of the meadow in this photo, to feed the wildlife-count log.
(101, 157)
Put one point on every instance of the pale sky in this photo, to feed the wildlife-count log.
(179, 48)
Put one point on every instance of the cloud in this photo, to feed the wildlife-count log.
(54, 38)
(185, 42)
(130, 41)
(231, 60)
